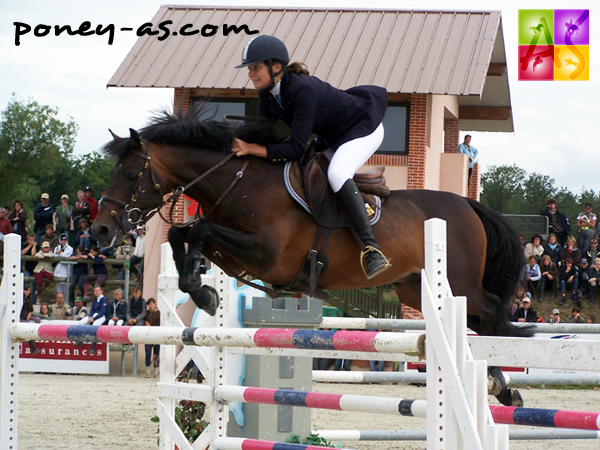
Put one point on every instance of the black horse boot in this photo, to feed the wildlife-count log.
(349, 198)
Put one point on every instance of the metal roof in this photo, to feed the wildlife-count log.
(424, 52)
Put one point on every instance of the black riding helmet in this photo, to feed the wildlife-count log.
(265, 48)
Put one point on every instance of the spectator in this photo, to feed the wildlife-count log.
(592, 252)
(79, 311)
(591, 318)
(553, 249)
(100, 274)
(555, 317)
(522, 241)
(557, 221)
(583, 287)
(49, 236)
(526, 313)
(575, 316)
(44, 313)
(43, 269)
(136, 309)
(570, 250)
(5, 226)
(103, 193)
(549, 277)
(80, 271)
(84, 235)
(81, 210)
(42, 216)
(64, 250)
(18, 220)
(116, 313)
(152, 320)
(97, 315)
(568, 279)
(586, 227)
(594, 280)
(26, 315)
(136, 261)
(62, 216)
(467, 149)
(92, 202)
(60, 309)
(30, 249)
(534, 248)
(520, 295)
(532, 274)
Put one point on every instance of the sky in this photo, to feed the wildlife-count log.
(557, 124)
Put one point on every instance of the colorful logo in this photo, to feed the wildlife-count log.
(554, 44)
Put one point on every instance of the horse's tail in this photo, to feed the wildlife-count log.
(503, 263)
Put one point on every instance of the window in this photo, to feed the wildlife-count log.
(217, 108)
(395, 124)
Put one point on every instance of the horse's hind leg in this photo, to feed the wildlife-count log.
(498, 388)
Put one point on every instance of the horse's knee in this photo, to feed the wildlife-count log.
(177, 236)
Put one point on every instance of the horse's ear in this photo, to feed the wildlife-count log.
(114, 136)
(136, 142)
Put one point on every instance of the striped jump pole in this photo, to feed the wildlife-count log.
(421, 435)
(339, 402)
(364, 341)
(255, 444)
(512, 379)
(579, 420)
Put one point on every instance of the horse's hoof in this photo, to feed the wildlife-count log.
(494, 386)
(206, 298)
(188, 284)
(510, 397)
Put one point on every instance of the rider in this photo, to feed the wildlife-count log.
(348, 122)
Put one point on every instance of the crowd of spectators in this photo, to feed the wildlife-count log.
(64, 231)
(565, 263)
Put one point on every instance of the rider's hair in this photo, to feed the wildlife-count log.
(298, 67)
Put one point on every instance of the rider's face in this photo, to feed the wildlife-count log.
(259, 74)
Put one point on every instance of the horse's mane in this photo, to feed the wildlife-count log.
(190, 131)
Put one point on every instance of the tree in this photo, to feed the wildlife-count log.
(501, 187)
(33, 145)
(537, 189)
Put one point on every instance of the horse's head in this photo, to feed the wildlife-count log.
(134, 190)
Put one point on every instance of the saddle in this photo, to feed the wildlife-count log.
(308, 184)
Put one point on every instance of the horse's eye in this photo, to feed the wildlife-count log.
(131, 176)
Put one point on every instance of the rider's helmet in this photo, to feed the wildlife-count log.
(265, 48)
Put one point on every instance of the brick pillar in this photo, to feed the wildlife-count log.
(451, 135)
(417, 140)
(181, 102)
(473, 189)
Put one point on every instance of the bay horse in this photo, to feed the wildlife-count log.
(254, 226)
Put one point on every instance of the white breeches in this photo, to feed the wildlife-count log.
(351, 156)
(119, 322)
(97, 322)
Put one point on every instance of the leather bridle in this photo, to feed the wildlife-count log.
(136, 216)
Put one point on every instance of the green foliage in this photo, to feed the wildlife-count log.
(312, 439)
(36, 155)
(511, 190)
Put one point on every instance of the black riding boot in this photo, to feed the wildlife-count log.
(351, 201)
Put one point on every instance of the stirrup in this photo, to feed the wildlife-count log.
(383, 268)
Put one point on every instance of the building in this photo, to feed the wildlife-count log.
(445, 72)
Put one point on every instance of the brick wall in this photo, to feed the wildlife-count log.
(473, 189)
(181, 102)
(451, 135)
(417, 143)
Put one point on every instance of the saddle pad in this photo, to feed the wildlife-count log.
(292, 177)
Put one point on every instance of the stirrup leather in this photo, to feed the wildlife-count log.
(368, 249)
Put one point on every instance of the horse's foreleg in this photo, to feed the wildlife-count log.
(189, 264)
(246, 248)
